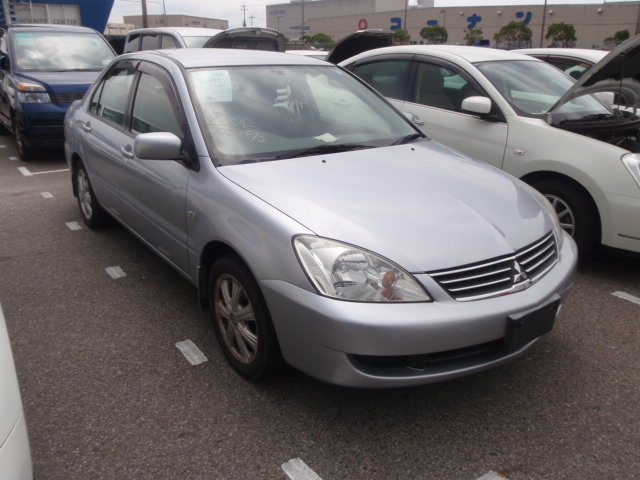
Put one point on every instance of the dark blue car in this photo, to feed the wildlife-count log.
(43, 68)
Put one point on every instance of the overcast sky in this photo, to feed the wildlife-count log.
(231, 10)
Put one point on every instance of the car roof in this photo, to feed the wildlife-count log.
(43, 27)
(225, 57)
(182, 31)
(468, 53)
(580, 53)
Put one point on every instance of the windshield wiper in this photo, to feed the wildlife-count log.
(320, 149)
(408, 139)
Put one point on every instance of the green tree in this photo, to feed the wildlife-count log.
(305, 38)
(514, 34)
(434, 34)
(400, 35)
(321, 38)
(618, 37)
(561, 34)
(472, 36)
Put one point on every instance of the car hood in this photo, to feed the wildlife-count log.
(420, 205)
(617, 72)
(358, 42)
(252, 38)
(62, 82)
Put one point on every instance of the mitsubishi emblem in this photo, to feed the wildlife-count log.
(519, 275)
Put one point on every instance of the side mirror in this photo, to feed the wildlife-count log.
(4, 62)
(157, 146)
(479, 105)
(608, 98)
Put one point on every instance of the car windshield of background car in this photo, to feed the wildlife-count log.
(61, 51)
(195, 42)
(532, 88)
(275, 112)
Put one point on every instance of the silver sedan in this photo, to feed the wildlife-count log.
(318, 224)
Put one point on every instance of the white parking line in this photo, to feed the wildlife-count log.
(296, 469)
(115, 272)
(491, 475)
(191, 352)
(13, 159)
(73, 226)
(627, 296)
(25, 171)
(3, 146)
(46, 194)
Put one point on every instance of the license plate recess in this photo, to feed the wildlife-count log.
(522, 328)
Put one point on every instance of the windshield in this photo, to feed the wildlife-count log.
(61, 51)
(195, 42)
(275, 112)
(532, 88)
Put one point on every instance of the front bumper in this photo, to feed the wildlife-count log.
(334, 340)
(621, 229)
(15, 456)
(42, 124)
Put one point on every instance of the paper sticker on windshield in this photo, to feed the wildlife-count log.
(213, 85)
(327, 138)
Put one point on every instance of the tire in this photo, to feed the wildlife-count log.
(576, 212)
(241, 320)
(25, 152)
(93, 215)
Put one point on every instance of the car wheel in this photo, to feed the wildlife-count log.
(577, 215)
(25, 152)
(93, 215)
(241, 320)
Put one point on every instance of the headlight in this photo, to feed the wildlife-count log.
(557, 228)
(345, 272)
(632, 162)
(32, 93)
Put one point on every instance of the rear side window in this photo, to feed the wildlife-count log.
(389, 77)
(111, 97)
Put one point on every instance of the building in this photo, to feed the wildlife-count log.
(89, 13)
(593, 22)
(177, 21)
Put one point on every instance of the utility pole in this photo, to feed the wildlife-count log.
(404, 25)
(251, 17)
(244, 14)
(302, 24)
(544, 17)
(145, 18)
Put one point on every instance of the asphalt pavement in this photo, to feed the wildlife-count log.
(108, 395)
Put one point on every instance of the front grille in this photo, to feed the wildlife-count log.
(64, 98)
(502, 275)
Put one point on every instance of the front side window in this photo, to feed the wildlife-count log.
(276, 112)
(389, 77)
(111, 97)
(61, 51)
(441, 87)
(150, 42)
(168, 42)
(532, 88)
(152, 109)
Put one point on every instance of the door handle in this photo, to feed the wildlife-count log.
(417, 121)
(86, 126)
(127, 151)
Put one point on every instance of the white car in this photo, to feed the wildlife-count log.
(572, 61)
(526, 117)
(15, 456)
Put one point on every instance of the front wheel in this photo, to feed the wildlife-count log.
(241, 320)
(25, 152)
(93, 215)
(576, 212)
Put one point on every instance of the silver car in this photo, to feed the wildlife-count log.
(318, 224)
